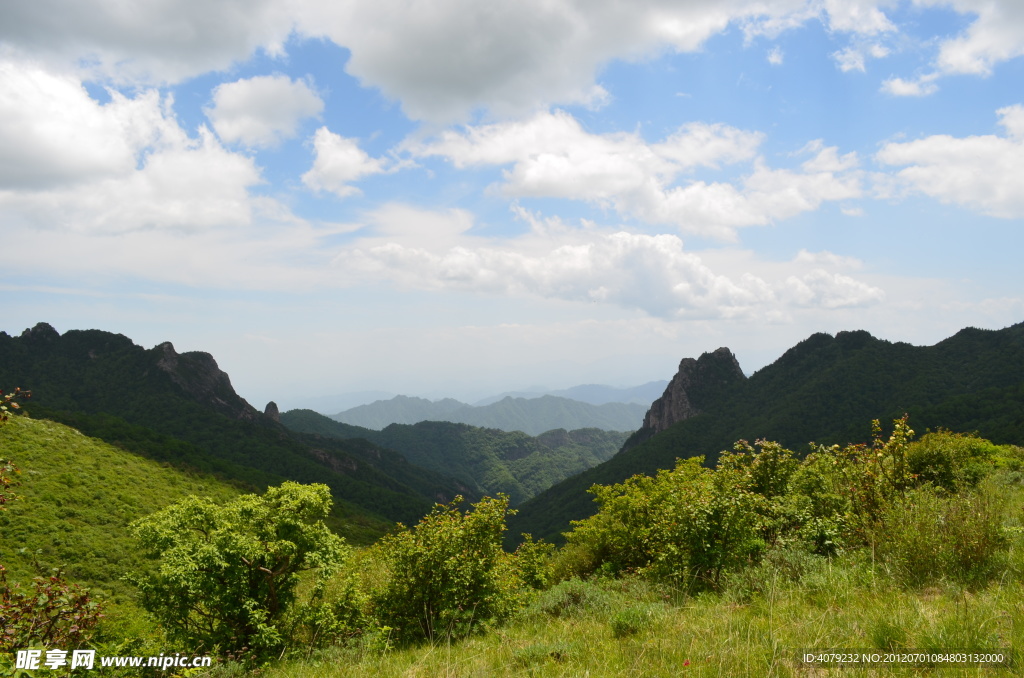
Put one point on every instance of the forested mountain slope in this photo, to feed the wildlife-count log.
(826, 389)
(486, 459)
(181, 408)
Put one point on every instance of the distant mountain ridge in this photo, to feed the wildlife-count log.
(486, 459)
(529, 415)
(825, 389)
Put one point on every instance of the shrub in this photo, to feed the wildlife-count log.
(571, 598)
(935, 535)
(448, 574)
(687, 525)
(631, 620)
(950, 460)
(227, 574)
(54, 613)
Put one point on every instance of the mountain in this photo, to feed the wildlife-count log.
(485, 459)
(399, 410)
(529, 415)
(181, 409)
(826, 389)
(594, 394)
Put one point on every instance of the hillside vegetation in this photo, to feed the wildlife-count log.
(77, 496)
(488, 461)
(181, 409)
(823, 389)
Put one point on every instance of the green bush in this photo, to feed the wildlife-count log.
(448, 574)
(571, 598)
(631, 620)
(687, 525)
(935, 536)
(228, 574)
(950, 460)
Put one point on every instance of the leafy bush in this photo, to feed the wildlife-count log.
(935, 535)
(54, 613)
(448, 574)
(687, 525)
(227, 574)
(950, 460)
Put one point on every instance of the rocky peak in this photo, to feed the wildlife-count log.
(198, 375)
(41, 333)
(696, 385)
(272, 411)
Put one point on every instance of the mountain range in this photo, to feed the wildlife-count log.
(826, 389)
(487, 460)
(529, 415)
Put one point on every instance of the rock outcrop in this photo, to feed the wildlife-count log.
(272, 411)
(198, 375)
(697, 384)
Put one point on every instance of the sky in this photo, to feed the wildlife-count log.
(457, 198)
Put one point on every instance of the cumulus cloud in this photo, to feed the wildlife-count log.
(339, 161)
(854, 57)
(147, 42)
(921, 87)
(984, 173)
(995, 35)
(445, 59)
(652, 273)
(67, 161)
(551, 155)
(262, 111)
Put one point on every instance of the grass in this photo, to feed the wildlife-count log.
(77, 497)
(709, 635)
(837, 606)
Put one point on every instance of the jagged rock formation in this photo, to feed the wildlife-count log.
(198, 375)
(695, 386)
(272, 411)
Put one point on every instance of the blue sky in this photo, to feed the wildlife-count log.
(456, 198)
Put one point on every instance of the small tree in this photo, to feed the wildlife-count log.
(227, 574)
(448, 573)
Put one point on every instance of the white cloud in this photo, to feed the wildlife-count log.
(861, 17)
(652, 273)
(821, 289)
(147, 42)
(339, 161)
(775, 56)
(54, 134)
(996, 35)
(262, 111)
(552, 156)
(69, 162)
(984, 173)
(854, 57)
(445, 59)
(921, 87)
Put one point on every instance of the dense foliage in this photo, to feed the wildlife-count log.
(693, 525)
(448, 573)
(487, 460)
(228, 573)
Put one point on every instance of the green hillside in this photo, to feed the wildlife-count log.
(824, 389)
(77, 497)
(487, 460)
(180, 408)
